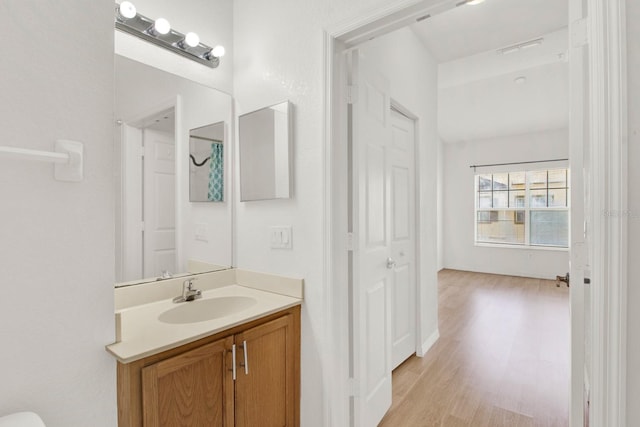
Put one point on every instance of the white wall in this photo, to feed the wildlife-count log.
(633, 343)
(212, 20)
(56, 238)
(460, 251)
(278, 56)
(413, 75)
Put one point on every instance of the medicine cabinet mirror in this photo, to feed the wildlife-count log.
(265, 146)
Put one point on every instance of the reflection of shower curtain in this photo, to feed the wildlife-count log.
(216, 174)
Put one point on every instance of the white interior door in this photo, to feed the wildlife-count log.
(580, 198)
(371, 272)
(400, 155)
(159, 210)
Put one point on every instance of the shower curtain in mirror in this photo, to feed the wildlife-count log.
(216, 175)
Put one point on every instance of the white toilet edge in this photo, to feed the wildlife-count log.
(21, 419)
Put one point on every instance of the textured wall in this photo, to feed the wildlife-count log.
(56, 238)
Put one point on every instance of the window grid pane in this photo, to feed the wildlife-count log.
(500, 226)
(509, 204)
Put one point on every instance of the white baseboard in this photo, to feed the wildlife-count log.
(429, 342)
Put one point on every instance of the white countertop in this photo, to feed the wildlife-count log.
(141, 334)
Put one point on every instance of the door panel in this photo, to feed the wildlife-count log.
(376, 360)
(402, 320)
(403, 243)
(371, 308)
(159, 203)
(192, 389)
(400, 198)
(265, 385)
(376, 197)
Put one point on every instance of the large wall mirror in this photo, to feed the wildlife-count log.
(265, 144)
(159, 231)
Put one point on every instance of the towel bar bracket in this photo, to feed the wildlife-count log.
(73, 169)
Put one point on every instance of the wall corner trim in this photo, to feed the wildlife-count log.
(426, 346)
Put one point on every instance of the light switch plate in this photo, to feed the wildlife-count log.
(280, 237)
(201, 232)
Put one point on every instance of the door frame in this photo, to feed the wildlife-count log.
(608, 135)
(607, 112)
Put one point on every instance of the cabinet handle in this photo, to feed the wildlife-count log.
(233, 356)
(246, 362)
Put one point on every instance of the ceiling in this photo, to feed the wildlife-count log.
(498, 106)
(467, 30)
(478, 94)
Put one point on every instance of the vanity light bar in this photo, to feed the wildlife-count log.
(189, 46)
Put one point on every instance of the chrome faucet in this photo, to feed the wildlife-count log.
(188, 292)
(165, 275)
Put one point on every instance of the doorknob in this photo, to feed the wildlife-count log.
(390, 263)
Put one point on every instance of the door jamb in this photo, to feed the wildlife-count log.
(608, 208)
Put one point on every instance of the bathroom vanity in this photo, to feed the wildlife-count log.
(231, 358)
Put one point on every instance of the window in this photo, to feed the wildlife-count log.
(523, 208)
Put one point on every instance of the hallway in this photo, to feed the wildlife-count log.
(502, 358)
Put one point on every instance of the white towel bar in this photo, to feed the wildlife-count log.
(68, 158)
(26, 154)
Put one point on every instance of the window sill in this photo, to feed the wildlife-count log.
(520, 247)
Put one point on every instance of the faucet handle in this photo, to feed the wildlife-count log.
(188, 283)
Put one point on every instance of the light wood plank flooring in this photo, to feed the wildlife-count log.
(502, 358)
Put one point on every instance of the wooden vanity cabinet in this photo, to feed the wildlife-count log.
(262, 383)
(193, 385)
(191, 389)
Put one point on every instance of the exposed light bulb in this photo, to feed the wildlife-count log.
(192, 39)
(475, 2)
(161, 26)
(127, 10)
(218, 51)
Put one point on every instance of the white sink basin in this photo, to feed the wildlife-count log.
(206, 309)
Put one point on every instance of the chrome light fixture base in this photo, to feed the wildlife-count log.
(142, 27)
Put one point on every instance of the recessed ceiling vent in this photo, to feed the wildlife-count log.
(520, 46)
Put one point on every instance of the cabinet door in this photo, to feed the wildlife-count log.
(265, 394)
(194, 389)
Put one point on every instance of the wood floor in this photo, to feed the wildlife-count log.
(502, 358)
